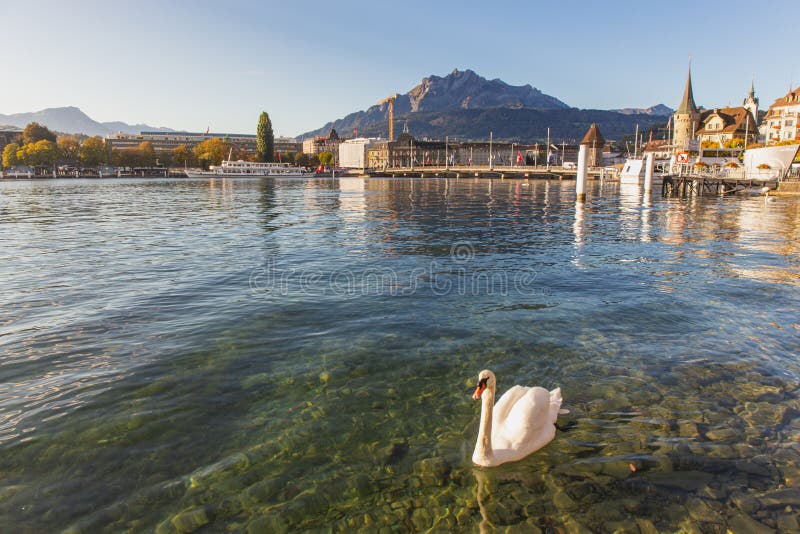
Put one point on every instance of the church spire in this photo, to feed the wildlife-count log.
(687, 105)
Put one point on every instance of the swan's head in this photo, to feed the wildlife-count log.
(485, 380)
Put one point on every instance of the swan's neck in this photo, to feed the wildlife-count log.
(483, 449)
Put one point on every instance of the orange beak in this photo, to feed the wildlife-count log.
(479, 391)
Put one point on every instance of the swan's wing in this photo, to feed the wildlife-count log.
(528, 415)
(506, 402)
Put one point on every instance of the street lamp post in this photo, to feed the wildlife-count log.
(547, 151)
(491, 163)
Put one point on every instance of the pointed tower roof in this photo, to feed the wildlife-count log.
(687, 105)
(593, 136)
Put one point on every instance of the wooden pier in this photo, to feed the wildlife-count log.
(688, 185)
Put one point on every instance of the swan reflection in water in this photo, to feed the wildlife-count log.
(495, 492)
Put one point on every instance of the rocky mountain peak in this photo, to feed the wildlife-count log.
(468, 90)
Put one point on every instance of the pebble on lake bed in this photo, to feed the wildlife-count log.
(191, 520)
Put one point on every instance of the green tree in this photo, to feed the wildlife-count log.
(70, 148)
(164, 158)
(301, 160)
(265, 139)
(10, 158)
(34, 132)
(213, 151)
(126, 157)
(93, 151)
(181, 155)
(326, 159)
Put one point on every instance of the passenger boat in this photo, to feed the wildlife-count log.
(249, 168)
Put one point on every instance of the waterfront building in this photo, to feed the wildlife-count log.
(751, 102)
(407, 152)
(8, 135)
(692, 126)
(780, 123)
(287, 145)
(353, 152)
(166, 141)
(660, 148)
(317, 145)
(722, 125)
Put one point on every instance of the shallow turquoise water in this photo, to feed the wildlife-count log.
(272, 355)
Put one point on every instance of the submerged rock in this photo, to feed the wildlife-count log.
(564, 502)
(700, 510)
(432, 471)
(745, 502)
(762, 414)
(683, 480)
(744, 523)
(722, 434)
(271, 524)
(191, 520)
(788, 523)
(646, 526)
(781, 498)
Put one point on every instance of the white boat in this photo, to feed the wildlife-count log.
(769, 163)
(249, 168)
(633, 170)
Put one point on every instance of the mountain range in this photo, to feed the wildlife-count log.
(461, 105)
(74, 121)
(465, 105)
(659, 110)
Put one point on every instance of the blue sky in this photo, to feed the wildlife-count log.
(189, 65)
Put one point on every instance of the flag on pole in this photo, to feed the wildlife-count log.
(519, 157)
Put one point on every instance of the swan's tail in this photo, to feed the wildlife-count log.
(555, 404)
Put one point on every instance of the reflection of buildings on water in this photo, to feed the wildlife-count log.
(435, 213)
(353, 210)
(647, 211)
(630, 205)
(221, 193)
(771, 227)
(352, 201)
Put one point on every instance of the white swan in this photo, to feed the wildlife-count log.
(524, 421)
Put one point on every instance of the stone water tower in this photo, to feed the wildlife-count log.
(594, 142)
(686, 120)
